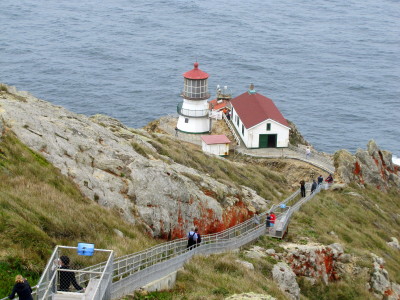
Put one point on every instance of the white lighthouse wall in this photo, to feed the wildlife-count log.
(196, 117)
(194, 125)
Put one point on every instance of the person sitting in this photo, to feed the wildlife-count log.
(66, 277)
(329, 179)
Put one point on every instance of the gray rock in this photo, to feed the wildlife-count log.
(284, 276)
(246, 264)
(255, 252)
(345, 258)
(250, 296)
(394, 243)
(270, 251)
(97, 154)
(337, 247)
(372, 166)
(118, 232)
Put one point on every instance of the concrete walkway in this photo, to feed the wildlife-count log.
(316, 159)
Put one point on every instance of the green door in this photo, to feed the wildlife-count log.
(263, 141)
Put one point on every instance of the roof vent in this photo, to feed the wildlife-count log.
(251, 89)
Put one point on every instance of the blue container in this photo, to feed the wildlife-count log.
(85, 249)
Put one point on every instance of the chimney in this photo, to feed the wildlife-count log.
(251, 89)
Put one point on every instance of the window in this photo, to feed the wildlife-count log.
(237, 120)
(196, 88)
(186, 120)
(268, 126)
(242, 129)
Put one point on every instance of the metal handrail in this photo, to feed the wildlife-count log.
(134, 270)
(236, 137)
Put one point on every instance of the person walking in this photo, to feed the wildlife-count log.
(176, 131)
(268, 222)
(320, 179)
(308, 152)
(192, 239)
(313, 186)
(22, 289)
(198, 240)
(66, 277)
(303, 188)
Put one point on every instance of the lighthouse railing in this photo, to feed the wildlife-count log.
(193, 113)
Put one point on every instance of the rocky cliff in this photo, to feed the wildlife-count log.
(368, 167)
(106, 160)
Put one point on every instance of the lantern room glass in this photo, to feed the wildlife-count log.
(196, 89)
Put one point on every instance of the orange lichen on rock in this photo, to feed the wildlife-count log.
(357, 168)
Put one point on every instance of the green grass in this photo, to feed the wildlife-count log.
(268, 184)
(219, 276)
(40, 208)
(362, 224)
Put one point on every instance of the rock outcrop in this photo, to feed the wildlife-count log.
(99, 155)
(394, 243)
(314, 261)
(380, 283)
(286, 280)
(372, 167)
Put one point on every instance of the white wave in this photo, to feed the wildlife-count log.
(396, 160)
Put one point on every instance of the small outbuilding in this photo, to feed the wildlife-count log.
(215, 144)
(258, 121)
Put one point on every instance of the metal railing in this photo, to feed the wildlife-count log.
(235, 136)
(191, 112)
(315, 158)
(283, 222)
(132, 271)
(137, 269)
(98, 282)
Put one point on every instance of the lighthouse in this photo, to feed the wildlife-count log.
(194, 110)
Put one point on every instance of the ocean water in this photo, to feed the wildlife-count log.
(332, 67)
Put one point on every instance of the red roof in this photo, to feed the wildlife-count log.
(214, 105)
(256, 108)
(215, 139)
(196, 73)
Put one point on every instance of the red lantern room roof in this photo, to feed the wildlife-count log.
(196, 73)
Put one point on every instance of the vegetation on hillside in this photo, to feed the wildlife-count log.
(361, 219)
(40, 208)
(268, 184)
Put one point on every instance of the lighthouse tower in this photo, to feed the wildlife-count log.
(193, 111)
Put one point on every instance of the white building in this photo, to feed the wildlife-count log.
(215, 144)
(194, 111)
(258, 121)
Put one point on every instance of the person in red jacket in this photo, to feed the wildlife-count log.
(272, 219)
